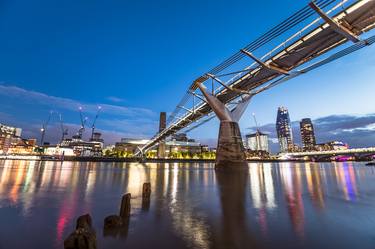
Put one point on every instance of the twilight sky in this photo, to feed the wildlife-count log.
(137, 58)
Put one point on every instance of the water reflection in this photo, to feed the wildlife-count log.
(314, 185)
(262, 187)
(234, 229)
(190, 225)
(191, 205)
(346, 179)
(292, 185)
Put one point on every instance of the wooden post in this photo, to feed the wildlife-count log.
(146, 191)
(84, 221)
(125, 206)
(83, 237)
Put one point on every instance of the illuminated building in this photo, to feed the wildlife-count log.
(82, 148)
(332, 145)
(23, 146)
(182, 146)
(130, 145)
(307, 134)
(59, 151)
(13, 131)
(284, 130)
(9, 136)
(5, 142)
(178, 144)
(257, 141)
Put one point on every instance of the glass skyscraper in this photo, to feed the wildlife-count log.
(307, 134)
(284, 130)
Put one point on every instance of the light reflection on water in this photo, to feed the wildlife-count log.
(285, 205)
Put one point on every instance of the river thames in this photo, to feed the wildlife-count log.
(270, 205)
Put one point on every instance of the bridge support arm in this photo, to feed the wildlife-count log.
(186, 109)
(217, 106)
(268, 66)
(198, 96)
(225, 86)
(338, 28)
(238, 111)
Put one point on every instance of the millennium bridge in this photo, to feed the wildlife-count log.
(319, 33)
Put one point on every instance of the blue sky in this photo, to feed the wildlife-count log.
(136, 58)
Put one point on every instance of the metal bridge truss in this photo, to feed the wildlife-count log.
(317, 29)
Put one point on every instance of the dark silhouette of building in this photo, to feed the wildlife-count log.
(162, 126)
(284, 130)
(182, 137)
(307, 134)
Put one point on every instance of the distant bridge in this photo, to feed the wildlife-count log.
(329, 153)
(301, 43)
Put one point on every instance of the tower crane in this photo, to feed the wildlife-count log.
(255, 121)
(93, 123)
(64, 131)
(83, 123)
(44, 128)
(257, 134)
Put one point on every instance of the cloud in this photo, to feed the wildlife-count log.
(143, 127)
(70, 104)
(5, 116)
(115, 99)
(356, 130)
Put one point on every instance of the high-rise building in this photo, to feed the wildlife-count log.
(307, 134)
(257, 141)
(284, 130)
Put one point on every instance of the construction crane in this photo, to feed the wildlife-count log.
(93, 123)
(44, 128)
(257, 133)
(255, 121)
(83, 123)
(64, 131)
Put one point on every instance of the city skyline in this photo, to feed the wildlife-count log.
(349, 129)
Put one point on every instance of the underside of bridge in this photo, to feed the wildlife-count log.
(321, 27)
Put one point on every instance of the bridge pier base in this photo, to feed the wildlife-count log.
(230, 151)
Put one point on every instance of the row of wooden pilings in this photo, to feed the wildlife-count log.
(84, 236)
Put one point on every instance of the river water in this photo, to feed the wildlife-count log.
(270, 205)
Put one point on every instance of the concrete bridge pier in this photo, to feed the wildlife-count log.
(230, 153)
(230, 150)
